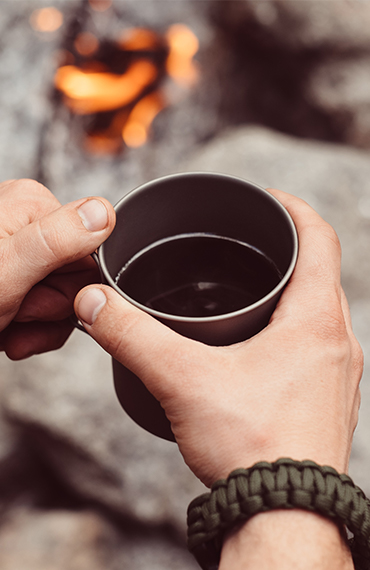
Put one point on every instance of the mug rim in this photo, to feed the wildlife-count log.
(234, 314)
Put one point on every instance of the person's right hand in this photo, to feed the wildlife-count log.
(45, 261)
(290, 391)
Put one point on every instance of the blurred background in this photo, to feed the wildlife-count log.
(98, 96)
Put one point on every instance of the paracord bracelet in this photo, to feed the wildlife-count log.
(284, 484)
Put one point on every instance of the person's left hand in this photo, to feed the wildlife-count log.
(45, 260)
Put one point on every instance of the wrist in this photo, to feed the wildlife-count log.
(284, 485)
(233, 458)
(285, 540)
(241, 443)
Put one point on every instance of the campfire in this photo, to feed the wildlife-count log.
(119, 87)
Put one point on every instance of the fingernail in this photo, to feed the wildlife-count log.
(90, 305)
(94, 215)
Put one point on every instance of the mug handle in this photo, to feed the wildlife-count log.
(74, 320)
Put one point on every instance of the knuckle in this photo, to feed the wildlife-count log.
(50, 241)
(32, 186)
(6, 183)
(327, 244)
(42, 197)
(11, 295)
(32, 199)
(331, 332)
(355, 411)
(357, 358)
(332, 236)
(358, 402)
(117, 332)
(330, 327)
(27, 187)
(36, 194)
(328, 333)
(114, 344)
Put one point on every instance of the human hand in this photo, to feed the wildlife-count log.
(290, 391)
(44, 252)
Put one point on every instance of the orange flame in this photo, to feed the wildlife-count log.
(183, 46)
(135, 131)
(46, 19)
(95, 89)
(90, 92)
(109, 140)
(138, 39)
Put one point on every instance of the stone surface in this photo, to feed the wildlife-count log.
(334, 180)
(64, 403)
(58, 540)
(81, 540)
(341, 87)
(313, 24)
(27, 60)
(308, 63)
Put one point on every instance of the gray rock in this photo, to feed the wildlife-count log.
(81, 540)
(340, 86)
(57, 539)
(24, 104)
(334, 180)
(8, 438)
(302, 65)
(312, 24)
(64, 403)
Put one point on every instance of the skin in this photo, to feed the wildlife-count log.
(290, 391)
(286, 540)
(44, 255)
(273, 395)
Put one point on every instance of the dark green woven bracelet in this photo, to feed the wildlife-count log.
(285, 484)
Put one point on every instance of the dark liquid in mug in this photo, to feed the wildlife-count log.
(198, 275)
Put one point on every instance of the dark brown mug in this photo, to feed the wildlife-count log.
(196, 203)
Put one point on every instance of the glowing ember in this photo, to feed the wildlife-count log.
(86, 43)
(123, 104)
(135, 131)
(100, 143)
(46, 19)
(90, 92)
(138, 39)
(100, 5)
(183, 46)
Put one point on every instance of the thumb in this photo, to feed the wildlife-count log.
(67, 234)
(150, 349)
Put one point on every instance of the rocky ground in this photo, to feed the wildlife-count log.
(81, 486)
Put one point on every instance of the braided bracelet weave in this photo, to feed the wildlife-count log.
(284, 484)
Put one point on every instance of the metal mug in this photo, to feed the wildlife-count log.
(190, 203)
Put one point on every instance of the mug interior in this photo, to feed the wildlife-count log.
(199, 203)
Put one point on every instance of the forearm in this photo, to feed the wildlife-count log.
(286, 540)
